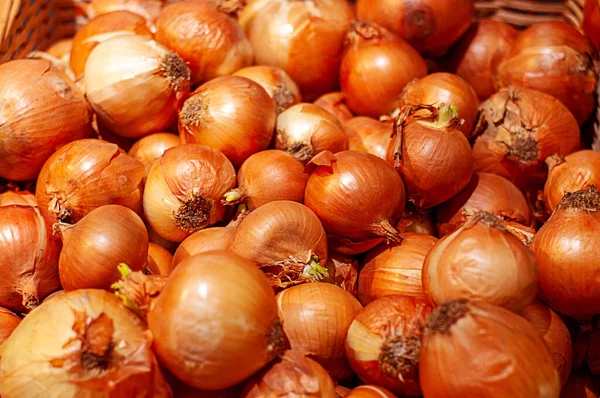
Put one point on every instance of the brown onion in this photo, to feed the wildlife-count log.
(149, 9)
(293, 375)
(8, 323)
(342, 271)
(335, 103)
(286, 240)
(268, 176)
(150, 148)
(431, 26)
(555, 58)
(42, 110)
(278, 84)
(305, 130)
(215, 322)
(580, 383)
(431, 153)
(384, 341)
(367, 391)
(368, 135)
(206, 37)
(487, 192)
(184, 188)
(232, 114)
(85, 175)
(316, 317)
(83, 343)
(395, 269)
(342, 189)
(159, 262)
(16, 197)
(376, 67)
(445, 88)
(521, 128)
(567, 255)
(576, 171)
(303, 38)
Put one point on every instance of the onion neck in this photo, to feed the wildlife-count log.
(585, 199)
(58, 206)
(295, 270)
(446, 315)
(137, 290)
(483, 218)
(400, 354)
(28, 291)
(194, 214)
(386, 230)
(362, 30)
(444, 117)
(554, 160)
(233, 197)
(231, 7)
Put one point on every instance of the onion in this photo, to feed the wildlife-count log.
(566, 254)
(16, 197)
(206, 37)
(183, 190)
(487, 192)
(135, 85)
(553, 57)
(28, 258)
(8, 323)
(341, 391)
(61, 50)
(304, 38)
(160, 261)
(576, 171)
(384, 341)
(367, 391)
(268, 176)
(335, 103)
(150, 148)
(481, 261)
(316, 317)
(278, 84)
(83, 343)
(376, 67)
(232, 114)
(478, 53)
(431, 153)
(85, 175)
(54, 295)
(223, 329)
(149, 9)
(480, 350)
(591, 23)
(555, 334)
(155, 238)
(521, 128)
(368, 135)
(415, 221)
(100, 29)
(286, 240)
(342, 189)
(342, 271)
(431, 26)
(395, 269)
(580, 384)
(41, 110)
(305, 130)
(293, 375)
(445, 88)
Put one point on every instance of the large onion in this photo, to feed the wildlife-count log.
(278, 84)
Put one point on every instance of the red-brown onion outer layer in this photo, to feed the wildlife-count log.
(368, 135)
(335, 103)
(8, 322)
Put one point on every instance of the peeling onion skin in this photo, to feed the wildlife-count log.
(368, 135)
(278, 84)
(335, 103)
(343, 272)
(580, 385)
(41, 110)
(368, 391)
(52, 367)
(383, 343)
(8, 323)
(512, 360)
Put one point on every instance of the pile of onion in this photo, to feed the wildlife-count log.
(335, 103)
(368, 135)
(150, 148)
(278, 84)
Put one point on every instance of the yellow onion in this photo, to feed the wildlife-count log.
(278, 84)
(135, 85)
(16, 197)
(368, 135)
(150, 148)
(160, 261)
(335, 103)
(8, 323)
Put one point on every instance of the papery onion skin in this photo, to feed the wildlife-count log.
(94, 346)
(41, 110)
(150, 148)
(335, 103)
(487, 192)
(135, 85)
(205, 240)
(293, 375)
(21, 198)
(206, 37)
(383, 343)
(227, 322)
(553, 57)
(576, 171)
(8, 323)
(283, 34)
(580, 384)
(368, 135)
(316, 317)
(395, 269)
(184, 188)
(512, 146)
(376, 67)
(431, 26)
(160, 261)
(368, 391)
(343, 272)
(278, 84)
(232, 114)
(481, 350)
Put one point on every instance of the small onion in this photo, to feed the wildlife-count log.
(206, 37)
(395, 269)
(232, 114)
(184, 188)
(335, 103)
(305, 130)
(384, 340)
(150, 148)
(41, 109)
(316, 317)
(580, 383)
(367, 391)
(480, 350)
(8, 323)
(376, 67)
(85, 175)
(149, 9)
(135, 85)
(278, 84)
(160, 261)
(343, 272)
(368, 135)
(342, 189)
(16, 197)
(268, 176)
